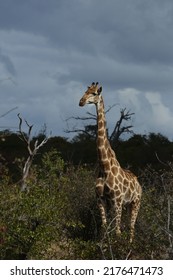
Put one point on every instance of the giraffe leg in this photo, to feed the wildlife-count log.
(100, 199)
(118, 214)
(134, 213)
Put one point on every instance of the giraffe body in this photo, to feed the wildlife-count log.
(114, 184)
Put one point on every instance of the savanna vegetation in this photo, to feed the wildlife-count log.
(55, 216)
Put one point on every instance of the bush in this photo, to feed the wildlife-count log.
(57, 209)
(57, 217)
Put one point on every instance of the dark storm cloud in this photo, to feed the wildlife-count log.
(136, 31)
(140, 31)
(57, 48)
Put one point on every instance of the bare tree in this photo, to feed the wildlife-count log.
(32, 150)
(91, 129)
(75, 129)
(119, 128)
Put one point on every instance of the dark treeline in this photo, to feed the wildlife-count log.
(134, 153)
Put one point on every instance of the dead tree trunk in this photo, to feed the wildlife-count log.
(119, 129)
(32, 151)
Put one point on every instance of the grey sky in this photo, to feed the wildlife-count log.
(54, 49)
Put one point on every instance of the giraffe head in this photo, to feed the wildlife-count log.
(92, 95)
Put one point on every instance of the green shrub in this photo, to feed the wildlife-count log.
(57, 217)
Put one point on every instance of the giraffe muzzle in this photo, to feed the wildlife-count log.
(81, 102)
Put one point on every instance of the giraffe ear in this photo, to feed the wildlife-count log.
(99, 90)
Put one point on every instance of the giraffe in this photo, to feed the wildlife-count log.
(114, 184)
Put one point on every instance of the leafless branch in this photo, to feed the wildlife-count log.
(110, 108)
(106, 237)
(165, 164)
(78, 131)
(9, 111)
(91, 117)
(129, 254)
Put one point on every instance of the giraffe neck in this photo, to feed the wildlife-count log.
(101, 122)
(106, 155)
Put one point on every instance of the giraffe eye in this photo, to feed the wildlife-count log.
(94, 93)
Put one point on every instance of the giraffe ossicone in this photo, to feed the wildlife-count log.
(114, 184)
